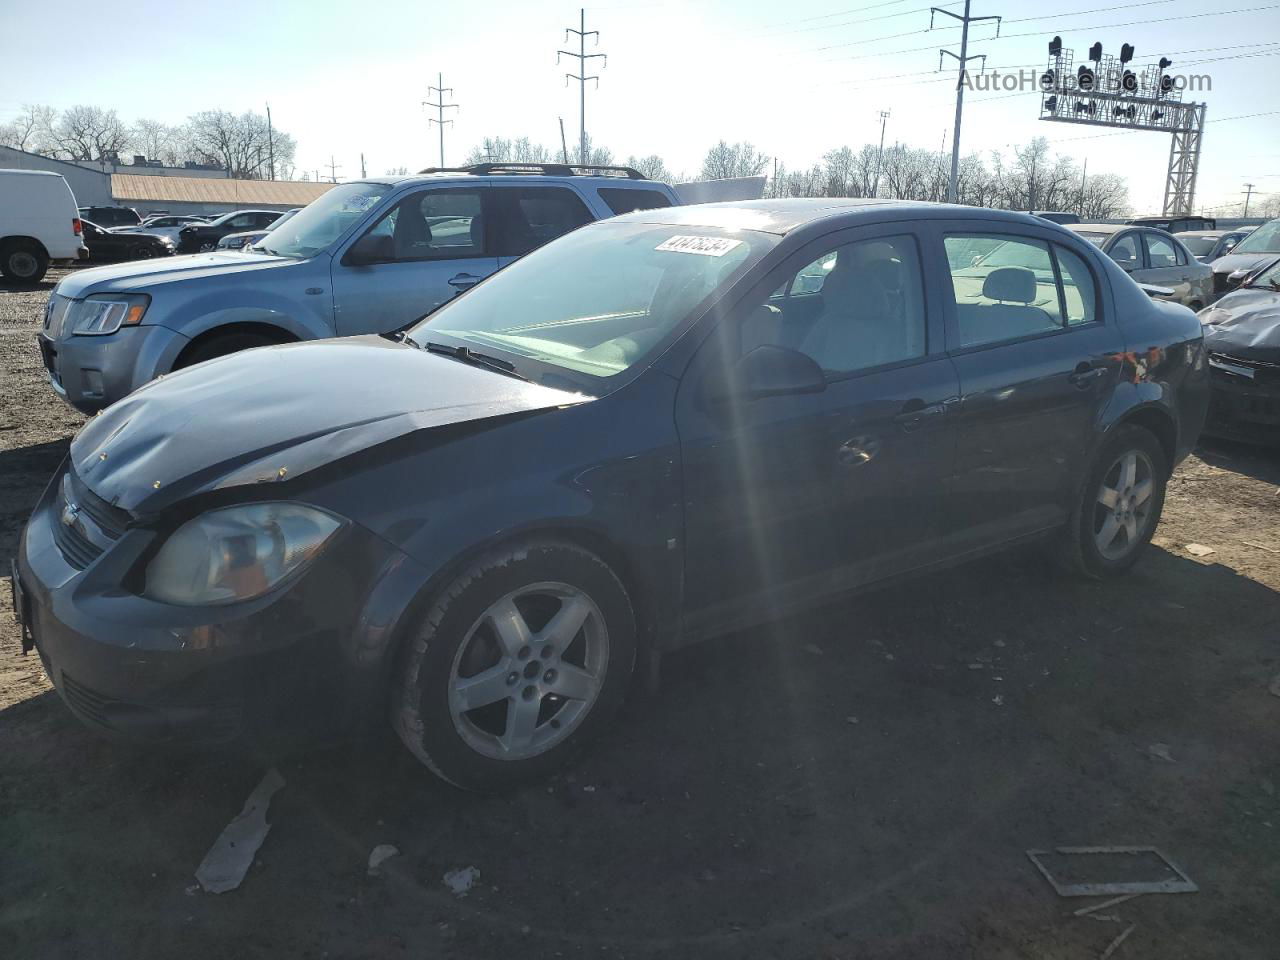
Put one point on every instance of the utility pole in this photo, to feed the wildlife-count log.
(441, 107)
(564, 147)
(963, 59)
(271, 146)
(362, 173)
(582, 57)
(1247, 195)
(884, 119)
(1084, 179)
(333, 169)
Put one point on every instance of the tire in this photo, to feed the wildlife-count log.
(141, 252)
(208, 246)
(22, 261)
(519, 728)
(221, 346)
(1098, 511)
(1195, 305)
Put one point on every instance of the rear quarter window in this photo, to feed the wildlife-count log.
(625, 200)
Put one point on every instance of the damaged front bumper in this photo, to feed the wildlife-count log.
(1244, 400)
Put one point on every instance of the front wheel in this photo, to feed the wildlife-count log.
(23, 262)
(1119, 506)
(516, 665)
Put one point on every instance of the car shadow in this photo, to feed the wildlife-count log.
(1251, 460)
(872, 769)
(24, 472)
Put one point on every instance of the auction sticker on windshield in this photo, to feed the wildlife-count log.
(705, 246)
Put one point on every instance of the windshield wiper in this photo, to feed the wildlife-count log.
(467, 355)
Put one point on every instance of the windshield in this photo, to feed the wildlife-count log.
(599, 300)
(1199, 246)
(1269, 278)
(321, 222)
(1266, 239)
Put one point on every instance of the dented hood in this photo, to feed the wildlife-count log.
(277, 412)
(1245, 324)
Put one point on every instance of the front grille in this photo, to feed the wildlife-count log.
(84, 524)
(216, 722)
(49, 354)
(1253, 399)
(1220, 283)
(87, 704)
(55, 313)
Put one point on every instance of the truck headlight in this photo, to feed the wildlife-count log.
(237, 553)
(106, 313)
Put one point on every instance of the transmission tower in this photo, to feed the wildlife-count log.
(440, 90)
(963, 59)
(581, 76)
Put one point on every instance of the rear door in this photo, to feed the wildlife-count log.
(792, 497)
(1037, 355)
(430, 246)
(1161, 265)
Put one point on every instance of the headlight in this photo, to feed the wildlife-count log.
(237, 553)
(107, 313)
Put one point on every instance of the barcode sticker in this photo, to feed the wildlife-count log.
(704, 246)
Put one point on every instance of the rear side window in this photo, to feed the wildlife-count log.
(1160, 252)
(621, 200)
(528, 217)
(1125, 251)
(1005, 288)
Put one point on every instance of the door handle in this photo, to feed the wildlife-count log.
(915, 412)
(1085, 374)
(464, 281)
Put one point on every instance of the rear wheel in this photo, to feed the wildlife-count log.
(1119, 506)
(141, 252)
(22, 261)
(518, 663)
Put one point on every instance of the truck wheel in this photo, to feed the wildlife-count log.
(22, 261)
(518, 662)
(221, 346)
(1119, 506)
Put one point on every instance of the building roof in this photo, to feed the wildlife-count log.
(287, 193)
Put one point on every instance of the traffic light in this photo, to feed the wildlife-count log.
(1126, 52)
(1129, 81)
(1055, 47)
(1051, 104)
(1084, 78)
(1048, 79)
(1166, 83)
(1095, 52)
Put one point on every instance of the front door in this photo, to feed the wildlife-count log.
(1162, 269)
(425, 250)
(1037, 357)
(792, 497)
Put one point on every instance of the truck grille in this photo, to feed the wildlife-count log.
(55, 312)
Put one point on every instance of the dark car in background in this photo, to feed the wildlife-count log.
(1254, 251)
(107, 245)
(658, 428)
(238, 241)
(1208, 245)
(196, 237)
(1175, 224)
(108, 217)
(1242, 338)
(1153, 257)
(1056, 216)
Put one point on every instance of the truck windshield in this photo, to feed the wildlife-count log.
(322, 221)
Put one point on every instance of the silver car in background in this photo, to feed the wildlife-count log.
(1153, 257)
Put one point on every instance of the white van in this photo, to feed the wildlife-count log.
(39, 222)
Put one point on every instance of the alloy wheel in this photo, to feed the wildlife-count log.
(528, 671)
(1122, 507)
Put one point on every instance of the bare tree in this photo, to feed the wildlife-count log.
(395, 172)
(240, 144)
(651, 166)
(724, 161)
(155, 141)
(90, 133)
(31, 130)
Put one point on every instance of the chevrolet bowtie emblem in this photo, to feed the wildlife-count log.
(70, 513)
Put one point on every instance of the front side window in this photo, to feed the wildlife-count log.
(528, 217)
(1160, 252)
(1008, 293)
(1200, 246)
(1266, 239)
(856, 306)
(430, 225)
(598, 301)
(1125, 251)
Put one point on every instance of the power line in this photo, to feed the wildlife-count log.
(581, 76)
(440, 107)
(963, 58)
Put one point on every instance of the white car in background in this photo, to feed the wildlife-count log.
(246, 238)
(39, 222)
(163, 226)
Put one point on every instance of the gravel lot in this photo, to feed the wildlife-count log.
(859, 782)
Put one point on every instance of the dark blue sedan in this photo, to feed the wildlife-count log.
(654, 429)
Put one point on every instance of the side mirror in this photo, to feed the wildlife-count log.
(370, 248)
(769, 371)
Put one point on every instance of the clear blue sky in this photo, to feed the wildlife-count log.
(344, 78)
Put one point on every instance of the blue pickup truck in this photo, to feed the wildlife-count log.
(369, 256)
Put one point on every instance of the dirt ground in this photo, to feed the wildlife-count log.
(859, 782)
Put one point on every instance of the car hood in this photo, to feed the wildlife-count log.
(1236, 261)
(145, 274)
(1245, 324)
(275, 413)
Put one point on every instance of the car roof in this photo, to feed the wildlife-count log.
(1204, 234)
(784, 216)
(1104, 227)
